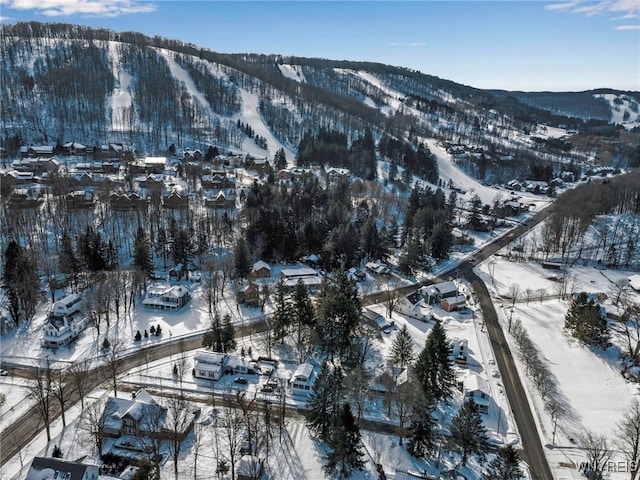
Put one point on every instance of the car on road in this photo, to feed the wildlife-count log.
(3, 373)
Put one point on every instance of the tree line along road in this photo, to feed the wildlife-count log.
(22, 431)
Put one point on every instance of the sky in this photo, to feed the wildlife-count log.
(513, 45)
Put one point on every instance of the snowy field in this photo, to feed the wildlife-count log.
(589, 383)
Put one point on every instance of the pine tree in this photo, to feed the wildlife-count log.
(467, 434)
(283, 311)
(67, 259)
(280, 159)
(506, 465)
(434, 368)
(401, 353)
(242, 262)
(346, 453)
(338, 314)
(421, 437)
(302, 311)
(586, 323)
(324, 401)
(20, 282)
(142, 253)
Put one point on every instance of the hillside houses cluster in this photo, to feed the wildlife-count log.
(112, 174)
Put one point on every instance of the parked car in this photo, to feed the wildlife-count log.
(241, 380)
(4, 373)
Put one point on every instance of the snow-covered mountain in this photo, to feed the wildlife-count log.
(70, 83)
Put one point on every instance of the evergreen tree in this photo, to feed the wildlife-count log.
(323, 403)
(280, 159)
(346, 453)
(228, 334)
(283, 310)
(586, 323)
(94, 250)
(182, 247)
(467, 434)
(338, 314)
(506, 465)
(241, 257)
(434, 368)
(302, 314)
(221, 335)
(20, 282)
(67, 259)
(401, 353)
(142, 253)
(421, 433)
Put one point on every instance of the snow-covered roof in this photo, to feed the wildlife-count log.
(211, 358)
(475, 383)
(634, 282)
(260, 264)
(303, 373)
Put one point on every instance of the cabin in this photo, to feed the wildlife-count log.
(123, 202)
(261, 269)
(164, 297)
(308, 276)
(25, 198)
(209, 365)
(45, 468)
(377, 268)
(376, 320)
(302, 380)
(356, 274)
(217, 181)
(177, 273)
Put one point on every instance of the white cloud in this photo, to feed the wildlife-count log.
(411, 44)
(417, 44)
(629, 9)
(97, 8)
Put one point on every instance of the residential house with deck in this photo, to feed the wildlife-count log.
(166, 297)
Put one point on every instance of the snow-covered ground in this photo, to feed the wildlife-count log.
(621, 107)
(589, 383)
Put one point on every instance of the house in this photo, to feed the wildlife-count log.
(435, 293)
(217, 181)
(308, 276)
(209, 365)
(36, 151)
(175, 201)
(261, 269)
(24, 198)
(356, 274)
(634, 282)
(250, 467)
(302, 380)
(376, 320)
(477, 388)
(377, 268)
(177, 273)
(249, 294)
(450, 304)
(67, 305)
(459, 350)
(414, 306)
(124, 202)
(45, 468)
(238, 365)
(61, 331)
(165, 297)
(79, 199)
(154, 164)
(335, 173)
(220, 200)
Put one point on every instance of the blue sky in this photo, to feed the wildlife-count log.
(515, 45)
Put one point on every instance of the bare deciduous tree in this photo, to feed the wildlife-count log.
(40, 385)
(179, 417)
(93, 422)
(628, 438)
(597, 449)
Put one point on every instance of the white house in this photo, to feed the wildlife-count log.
(302, 380)
(414, 306)
(209, 365)
(477, 388)
(459, 350)
(309, 277)
(61, 331)
(634, 282)
(435, 293)
(377, 268)
(67, 305)
(164, 297)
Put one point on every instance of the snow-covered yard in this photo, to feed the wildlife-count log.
(589, 383)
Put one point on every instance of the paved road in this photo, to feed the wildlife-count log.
(21, 432)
